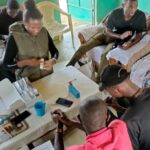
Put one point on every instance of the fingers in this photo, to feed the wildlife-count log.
(57, 115)
(9, 127)
(48, 65)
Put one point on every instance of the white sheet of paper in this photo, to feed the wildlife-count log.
(124, 55)
(8, 96)
(45, 146)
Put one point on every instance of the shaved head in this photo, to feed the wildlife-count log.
(93, 114)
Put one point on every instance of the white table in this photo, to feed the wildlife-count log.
(52, 87)
(124, 55)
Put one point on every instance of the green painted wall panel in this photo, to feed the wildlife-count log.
(86, 4)
(144, 5)
(103, 7)
(80, 9)
(80, 14)
(74, 2)
(3, 2)
(84, 10)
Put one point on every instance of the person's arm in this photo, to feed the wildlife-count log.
(134, 132)
(58, 142)
(52, 48)
(10, 61)
(118, 36)
(10, 55)
(132, 41)
(60, 115)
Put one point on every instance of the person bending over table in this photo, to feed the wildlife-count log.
(94, 117)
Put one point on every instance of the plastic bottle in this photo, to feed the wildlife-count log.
(73, 90)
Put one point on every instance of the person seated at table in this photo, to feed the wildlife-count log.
(29, 45)
(94, 116)
(8, 16)
(122, 28)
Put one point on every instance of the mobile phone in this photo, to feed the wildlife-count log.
(18, 119)
(64, 102)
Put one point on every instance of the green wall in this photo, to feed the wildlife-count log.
(80, 9)
(144, 5)
(103, 7)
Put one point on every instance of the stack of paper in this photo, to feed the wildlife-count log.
(10, 99)
(45, 146)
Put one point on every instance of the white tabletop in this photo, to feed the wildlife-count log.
(124, 55)
(52, 87)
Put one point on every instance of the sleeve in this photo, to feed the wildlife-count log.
(142, 26)
(52, 48)
(133, 131)
(110, 23)
(10, 55)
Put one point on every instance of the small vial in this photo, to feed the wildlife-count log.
(42, 63)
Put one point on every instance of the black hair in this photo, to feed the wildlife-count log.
(12, 4)
(130, 1)
(31, 11)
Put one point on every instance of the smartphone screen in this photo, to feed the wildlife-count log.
(64, 102)
(20, 117)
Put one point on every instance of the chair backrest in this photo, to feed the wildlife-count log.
(47, 9)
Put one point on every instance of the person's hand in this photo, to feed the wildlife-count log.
(8, 127)
(48, 65)
(59, 115)
(126, 45)
(28, 62)
(125, 35)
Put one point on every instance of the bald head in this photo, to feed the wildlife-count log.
(93, 114)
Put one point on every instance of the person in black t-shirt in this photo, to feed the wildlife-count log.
(125, 26)
(8, 16)
(116, 81)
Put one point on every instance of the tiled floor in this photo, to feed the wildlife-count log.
(65, 47)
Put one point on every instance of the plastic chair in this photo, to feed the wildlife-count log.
(54, 27)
